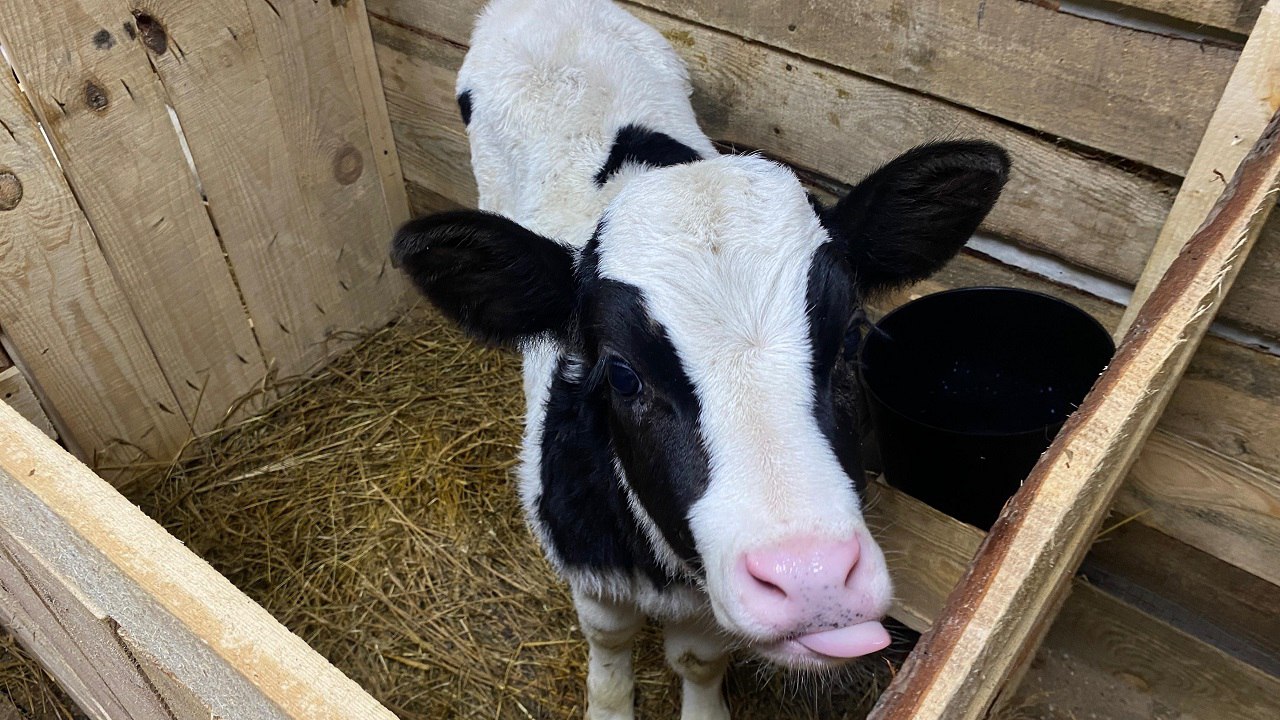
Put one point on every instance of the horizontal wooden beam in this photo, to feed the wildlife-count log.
(997, 616)
(130, 622)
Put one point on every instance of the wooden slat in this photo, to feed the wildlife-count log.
(1243, 111)
(1229, 403)
(997, 616)
(104, 111)
(94, 560)
(62, 309)
(1234, 15)
(1136, 654)
(840, 125)
(301, 275)
(1066, 75)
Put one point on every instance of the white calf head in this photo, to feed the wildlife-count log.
(710, 314)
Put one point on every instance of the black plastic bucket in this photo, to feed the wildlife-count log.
(968, 387)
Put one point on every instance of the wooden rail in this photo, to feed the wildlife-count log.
(130, 622)
(997, 616)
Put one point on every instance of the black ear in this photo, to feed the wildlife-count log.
(496, 279)
(907, 219)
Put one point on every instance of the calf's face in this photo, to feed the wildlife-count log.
(710, 313)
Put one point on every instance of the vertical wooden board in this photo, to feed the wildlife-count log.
(288, 261)
(355, 21)
(105, 112)
(317, 94)
(62, 309)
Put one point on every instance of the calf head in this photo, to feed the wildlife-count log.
(710, 314)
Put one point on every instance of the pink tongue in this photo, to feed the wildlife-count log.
(849, 642)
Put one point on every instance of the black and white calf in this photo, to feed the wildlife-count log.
(691, 447)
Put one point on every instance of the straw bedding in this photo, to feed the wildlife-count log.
(371, 510)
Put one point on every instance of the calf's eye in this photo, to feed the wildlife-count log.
(622, 378)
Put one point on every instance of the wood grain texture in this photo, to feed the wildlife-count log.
(1234, 15)
(813, 116)
(1229, 401)
(96, 552)
(1246, 105)
(302, 276)
(17, 393)
(64, 312)
(998, 614)
(1068, 76)
(1143, 660)
(104, 111)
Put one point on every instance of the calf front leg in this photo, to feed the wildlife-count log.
(610, 628)
(698, 652)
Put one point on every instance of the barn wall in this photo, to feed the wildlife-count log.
(207, 190)
(1102, 120)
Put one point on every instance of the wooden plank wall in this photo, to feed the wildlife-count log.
(1102, 121)
(213, 201)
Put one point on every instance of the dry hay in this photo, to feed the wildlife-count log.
(371, 510)
(26, 691)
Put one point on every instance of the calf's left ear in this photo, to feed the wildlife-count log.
(907, 219)
(498, 280)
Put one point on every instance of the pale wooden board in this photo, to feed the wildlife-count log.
(64, 312)
(97, 551)
(1181, 490)
(1068, 76)
(844, 126)
(1234, 15)
(104, 111)
(17, 393)
(998, 614)
(1140, 655)
(1230, 402)
(302, 276)
(1251, 96)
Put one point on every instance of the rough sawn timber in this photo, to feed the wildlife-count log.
(997, 616)
(128, 620)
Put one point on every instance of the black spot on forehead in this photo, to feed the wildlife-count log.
(464, 106)
(641, 146)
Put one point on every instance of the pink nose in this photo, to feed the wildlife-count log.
(800, 581)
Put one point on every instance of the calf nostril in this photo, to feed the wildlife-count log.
(773, 589)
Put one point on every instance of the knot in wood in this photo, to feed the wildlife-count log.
(153, 34)
(95, 97)
(10, 190)
(348, 165)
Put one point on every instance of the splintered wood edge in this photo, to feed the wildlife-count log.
(88, 547)
(999, 612)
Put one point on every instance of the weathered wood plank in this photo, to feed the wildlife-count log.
(301, 277)
(63, 310)
(1066, 75)
(997, 616)
(92, 554)
(17, 393)
(1242, 112)
(840, 125)
(1234, 15)
(1230, 401)
(1139, 655)
(102, 105)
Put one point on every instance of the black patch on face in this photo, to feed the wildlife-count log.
(656, 434)
(832, 304)
(583, 506)
(641, 146)
(464, 106)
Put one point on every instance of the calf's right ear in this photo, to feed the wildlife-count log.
(498, 280)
